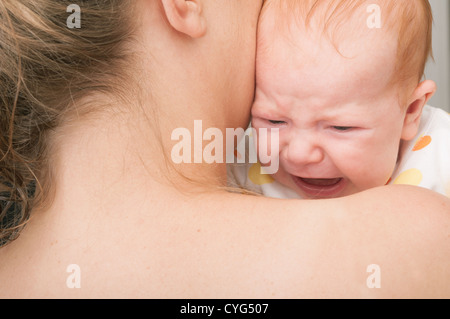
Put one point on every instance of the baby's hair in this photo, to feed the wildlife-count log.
(410, 20)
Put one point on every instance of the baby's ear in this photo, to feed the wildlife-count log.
(186, 16)
(420, 97)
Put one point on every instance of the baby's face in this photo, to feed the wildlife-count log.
(340, 124)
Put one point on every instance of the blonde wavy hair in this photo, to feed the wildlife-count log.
(45, 68)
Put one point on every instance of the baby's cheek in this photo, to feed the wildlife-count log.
(268, 145)
(384, 164)
(369, 174)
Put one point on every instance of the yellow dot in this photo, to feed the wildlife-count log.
(254, 173)
(410, 177)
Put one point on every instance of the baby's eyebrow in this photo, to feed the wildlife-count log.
(257, 112)
(265, 109)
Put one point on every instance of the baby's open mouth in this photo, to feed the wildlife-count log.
(321, 181)
(320, 187)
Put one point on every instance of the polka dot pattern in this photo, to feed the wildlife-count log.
(254, 173)
(237, 154)
(414, 176)
(422, 142)
(410, 177)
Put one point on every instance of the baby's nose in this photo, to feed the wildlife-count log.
(303, 150)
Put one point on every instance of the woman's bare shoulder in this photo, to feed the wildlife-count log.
(236, 246)
(400, 233)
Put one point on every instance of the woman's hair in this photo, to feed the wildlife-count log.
(45, 68)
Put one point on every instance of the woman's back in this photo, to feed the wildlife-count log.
(230, 246)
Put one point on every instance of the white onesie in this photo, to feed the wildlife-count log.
(423, 161)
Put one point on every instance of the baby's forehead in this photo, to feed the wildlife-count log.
(333, 13)
(352, 43)
(349, 47)
(311, 62)
(406, 25)
(342, 26)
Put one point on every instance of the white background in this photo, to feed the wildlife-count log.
(439, 70)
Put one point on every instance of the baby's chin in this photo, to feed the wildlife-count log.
(323, 188)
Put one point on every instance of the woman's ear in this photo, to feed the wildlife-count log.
(421, 95)
(186, 16)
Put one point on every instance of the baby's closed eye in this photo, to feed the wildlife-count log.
(276, 122)
(342, 128)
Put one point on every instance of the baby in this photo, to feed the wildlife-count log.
(341, 81)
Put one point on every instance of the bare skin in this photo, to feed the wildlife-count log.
(135, 235)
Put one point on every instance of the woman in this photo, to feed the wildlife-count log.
(114, 211)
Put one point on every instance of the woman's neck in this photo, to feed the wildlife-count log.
(107, 154)
(131, 144)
